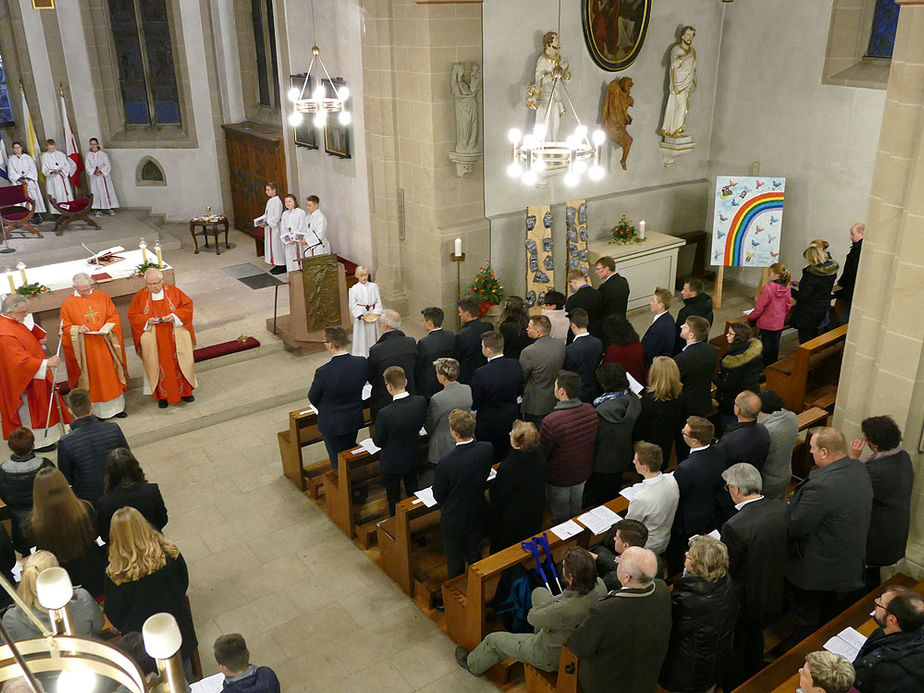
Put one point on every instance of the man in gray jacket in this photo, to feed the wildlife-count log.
(454, 395)
(783, 427)
(540, 362)
(554, 618)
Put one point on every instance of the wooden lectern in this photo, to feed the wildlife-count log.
(317, 300)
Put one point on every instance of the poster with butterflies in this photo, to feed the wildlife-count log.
(748, 220)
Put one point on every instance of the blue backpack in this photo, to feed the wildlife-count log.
(514, 599)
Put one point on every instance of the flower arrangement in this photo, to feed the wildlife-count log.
(624, 232)
(486, 287)
(145, 266)
(33, 289)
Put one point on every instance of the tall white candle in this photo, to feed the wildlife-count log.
(641, 230)
(458, 248)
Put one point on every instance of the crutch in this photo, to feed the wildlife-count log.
(543, 541)
(54, 386)
(534, 550)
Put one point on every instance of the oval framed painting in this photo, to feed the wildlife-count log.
(614, 31)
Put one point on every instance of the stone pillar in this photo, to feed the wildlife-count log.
(419, 204)
(883, 367)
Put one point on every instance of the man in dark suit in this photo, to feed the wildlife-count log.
(337, 393)
(394, 348)
(757, 544)
(496, 387)
(697, 364)
(468, 341)
(459, 486)
(829, 517)
(699, 478)
(541, 361)
(438, 343)
(583, 295)
(397, 432)
(613, 288)
(747, 440)
(695, 302)
(658, 339)
(82, 453)
(583, 355)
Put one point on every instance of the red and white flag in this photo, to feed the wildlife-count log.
(71, 144)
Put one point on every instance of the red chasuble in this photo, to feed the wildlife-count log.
(95, 362)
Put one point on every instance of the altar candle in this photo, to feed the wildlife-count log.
(160, 255)
(641, 230)
(458, 248)
(21, 266)
(9, 276)
(144, 250)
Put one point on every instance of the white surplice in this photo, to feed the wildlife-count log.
(57, 168)
(316, 235)
(293, 225)
(21, 169)
(274, 252)
(364, 298)
(104, 195)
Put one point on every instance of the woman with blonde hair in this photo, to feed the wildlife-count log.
(769, 314)
(813, 297)
(85, 612)
(662, 409)
(62, 523)
(703, 610)
(518, 492)
(146, 575)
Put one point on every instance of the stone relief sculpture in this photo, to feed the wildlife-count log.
(540, 95)
(465, 85)
(616, 116)
(681, 83)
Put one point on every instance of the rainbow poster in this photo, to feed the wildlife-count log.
(748, 220)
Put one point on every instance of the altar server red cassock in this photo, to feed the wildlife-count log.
(26, 376)
(161, 318)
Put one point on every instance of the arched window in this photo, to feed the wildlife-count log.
(6, 106)
(882, 34)
(149, 172)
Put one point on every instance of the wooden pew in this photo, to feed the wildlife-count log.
(565, 680)
(466, 597)
(302, 432)
(802, 461)
(783, 674)
(809, 377)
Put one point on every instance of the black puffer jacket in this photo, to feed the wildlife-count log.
(813, 297)
(613, 451)
(739, 370)
(703, 615)
(893, 663)
(82, 454)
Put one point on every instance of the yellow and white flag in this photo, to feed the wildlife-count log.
(32, 144)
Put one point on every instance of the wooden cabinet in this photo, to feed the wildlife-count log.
(255, 155)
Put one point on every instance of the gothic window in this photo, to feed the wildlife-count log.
(144, 52)
(6, 107)
(264, 34)
(882, 35)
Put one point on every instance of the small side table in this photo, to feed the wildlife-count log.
(209, 225)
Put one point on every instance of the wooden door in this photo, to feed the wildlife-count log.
(255, 155)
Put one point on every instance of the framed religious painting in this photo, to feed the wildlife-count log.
(615, 30)
(306, 134)
(336, 134)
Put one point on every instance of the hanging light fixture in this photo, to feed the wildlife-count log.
(318, 103)
(534, 156)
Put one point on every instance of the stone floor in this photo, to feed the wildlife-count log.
(264, 560)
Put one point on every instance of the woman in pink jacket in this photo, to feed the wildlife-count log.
(770, 312)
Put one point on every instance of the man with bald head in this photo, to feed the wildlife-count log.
(843, 290)
(93, 347)
(829, 517)
(624, 638)
(161, 318)
(746, 440)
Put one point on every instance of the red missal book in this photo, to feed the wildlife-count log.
(102, 276)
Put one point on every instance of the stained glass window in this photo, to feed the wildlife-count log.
(264, 34)
(147, 76)
(882, 35)
(6, 107)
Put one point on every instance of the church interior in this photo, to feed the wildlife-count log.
(783, 89)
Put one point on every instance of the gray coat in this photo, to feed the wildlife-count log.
(87, 615)
(783, 427)
(453, 396)
(541, 362)
(829, 517)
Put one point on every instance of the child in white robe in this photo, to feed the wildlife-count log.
(364, 299)
(21, 169)
(273, 248)
(292, 226)
(57, 169)
(98, 168)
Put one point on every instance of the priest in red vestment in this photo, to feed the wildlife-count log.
(26, 379)
(161, 319)
(93, 348)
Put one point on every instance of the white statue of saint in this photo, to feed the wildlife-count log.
(682, 82)
(540, 95)
(465, 90)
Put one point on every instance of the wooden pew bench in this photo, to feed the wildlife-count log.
(565, 680)
(782, 676)
(802, 461)
(809, 377)
(467, 596)
(302, 432)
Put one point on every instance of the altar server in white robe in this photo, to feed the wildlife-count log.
(21, 169)
(364, 300)
(274, 252)
(316, 236)
(98, 169)
(293, 226)
(57, 168)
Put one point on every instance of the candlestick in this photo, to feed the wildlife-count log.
(641, 230)
(144, 250)
(159, 253)
(21, 266)
(458, 247)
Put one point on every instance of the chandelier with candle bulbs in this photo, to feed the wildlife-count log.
(534, 156)
(318, 102)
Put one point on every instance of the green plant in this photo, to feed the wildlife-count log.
(33, 289)
(624, 231)
(145, 266)
(486, 286)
